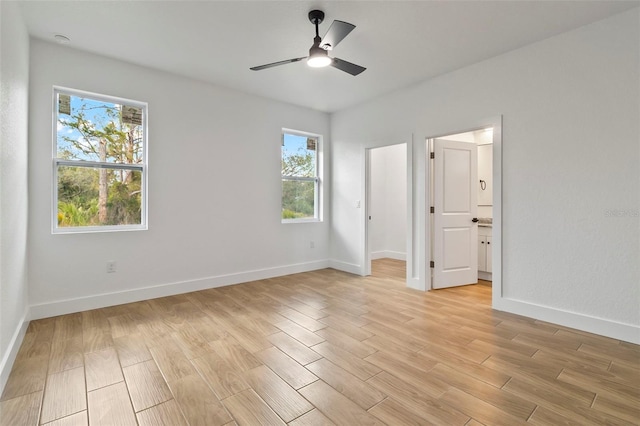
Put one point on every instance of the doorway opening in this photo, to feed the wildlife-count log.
(391, 269)
(386, 204)
(464, 202)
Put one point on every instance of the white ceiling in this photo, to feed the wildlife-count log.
(399, 42)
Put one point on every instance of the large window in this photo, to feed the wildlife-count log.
(99, 163)
(300, 179)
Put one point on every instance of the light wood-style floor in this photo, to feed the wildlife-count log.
(318, 348)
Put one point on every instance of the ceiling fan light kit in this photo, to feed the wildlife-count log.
(318, 53)
(318, 58)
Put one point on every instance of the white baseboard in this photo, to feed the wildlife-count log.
(9, 356)
(485, 276)
(351, 268)
(62, 307)
(389, 254)
(615, 330)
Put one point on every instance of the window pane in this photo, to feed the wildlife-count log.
(299, 156)
(94, 130)
(90, 196)
(298, 198)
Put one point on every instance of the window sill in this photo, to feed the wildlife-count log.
(98, 229)
(310, 220)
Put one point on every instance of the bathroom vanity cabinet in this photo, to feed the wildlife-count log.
(484, 252)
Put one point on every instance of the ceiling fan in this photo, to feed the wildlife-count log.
(318, 54)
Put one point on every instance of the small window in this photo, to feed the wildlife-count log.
(300, 178)
(99, 163)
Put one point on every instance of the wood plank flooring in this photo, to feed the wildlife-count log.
(319, 348)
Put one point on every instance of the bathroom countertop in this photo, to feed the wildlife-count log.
(485, 222)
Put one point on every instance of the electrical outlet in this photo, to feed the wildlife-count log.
(312, 244)
(111, 267)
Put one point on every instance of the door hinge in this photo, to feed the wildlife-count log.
(432, 209)
(432, 264)
(432, 155)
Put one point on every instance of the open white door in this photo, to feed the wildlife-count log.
(455, 232)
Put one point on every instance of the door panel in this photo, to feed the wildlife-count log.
(453, 239)
(456, 164)
(455, 205)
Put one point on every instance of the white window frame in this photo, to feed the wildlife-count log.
(58, 162)
(317, 214)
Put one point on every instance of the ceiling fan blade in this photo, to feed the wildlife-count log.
(275, 64)
(347, 67)
(336, 32)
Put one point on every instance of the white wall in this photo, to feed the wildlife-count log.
(570, 107)
(14, 97)
(388, 202)
(214, 190)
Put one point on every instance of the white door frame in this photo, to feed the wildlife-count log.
(496, 124)
(366, 267)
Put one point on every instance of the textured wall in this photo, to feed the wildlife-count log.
(214, 187)
(14, 101)
(571, 183)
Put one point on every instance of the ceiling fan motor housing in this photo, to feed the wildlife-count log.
(316, 50)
